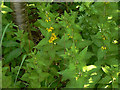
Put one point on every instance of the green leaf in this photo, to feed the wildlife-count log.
(13, 54)
(107, 43)
(76, 84)
(105, 80)
(34, 85)
(41, 43)
(82, 54)
(83, 43)
(68, 73)
(82, 8)
(112, 61)
(100, 54)
(52, 53)
(96, 41)
(68, 44)
(88, 68)
(106, 69)
(6, 81)
(89, 55)
(81, 58)
(43, 23)
(10, 44)
(77, 36)
(43, 31)
(5, 9)
(96, 78)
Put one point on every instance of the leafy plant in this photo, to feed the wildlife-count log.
(77, 46)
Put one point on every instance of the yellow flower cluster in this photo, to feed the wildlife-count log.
(52, 38)
(103, 37)
(49, 19)
(49, 29)
(103, 48)
(70, 36)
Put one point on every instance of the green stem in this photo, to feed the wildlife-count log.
(4, 32)
(20, 68)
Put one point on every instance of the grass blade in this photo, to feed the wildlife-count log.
(20, 67)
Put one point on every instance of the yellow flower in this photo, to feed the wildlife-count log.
(46, 15)
(71, 47)
(50, 41)
(109, 17)
(76, 78)
(104, 38)
(52, 38)
(49, 20)
(70, 36)
(55, 43)
(115, 41)
(103, 48)
(53, 35)
(51, 28)
(67, 27)
(46, 20)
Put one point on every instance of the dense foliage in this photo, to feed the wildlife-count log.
(75, 45)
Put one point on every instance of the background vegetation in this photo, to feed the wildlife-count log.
(73, 45)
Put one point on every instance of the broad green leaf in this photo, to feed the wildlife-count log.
(52, 53)
(100, 54)
(89, 55)
(5, 9)
(13, 54)
(112, 61)
(81, 58)
(105, 80)
(83, 43)
(41, 43)
(77, 36)
(44, 31)
(33, 84)
(107, 43)
(96, 78)
(6, 81)
(88, 68)
(76, 83)
(10, 44)
(106, 69)
(82, 54)
(82, 8)
(69, 72)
